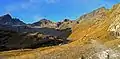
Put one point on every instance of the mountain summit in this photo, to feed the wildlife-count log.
(45, 23)
(8, 20)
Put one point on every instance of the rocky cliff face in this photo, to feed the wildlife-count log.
(114, 27)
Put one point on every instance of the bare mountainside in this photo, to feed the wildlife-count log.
(8, 20)
(95, 36)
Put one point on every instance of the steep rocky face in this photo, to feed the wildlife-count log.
(17, 22)
(8, 20)
(100, 12)
(114, 27)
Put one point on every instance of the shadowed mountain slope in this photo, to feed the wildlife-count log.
(11, 40)
(8, 20)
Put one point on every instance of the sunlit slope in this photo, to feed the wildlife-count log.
(97, 26)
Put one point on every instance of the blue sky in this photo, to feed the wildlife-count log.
(31, 11)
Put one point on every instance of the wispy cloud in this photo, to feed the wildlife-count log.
(28, 4)
(52, 1)
(21, 5)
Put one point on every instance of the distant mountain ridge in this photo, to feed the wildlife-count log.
(43, 23)
(66, 23)
(8, 20)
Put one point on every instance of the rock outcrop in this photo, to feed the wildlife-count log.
(67, 23)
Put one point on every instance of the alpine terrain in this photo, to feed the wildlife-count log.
(95, 35)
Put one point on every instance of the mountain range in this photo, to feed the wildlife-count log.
(8, 20)
(38, 34)
(95, 35)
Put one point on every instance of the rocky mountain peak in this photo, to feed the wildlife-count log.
(7, 16)
(42, 21)
(116, 6)
(8, 20)
(101, 9)
(115, 9)
(66, 20)
(98, 13)
(45, 21)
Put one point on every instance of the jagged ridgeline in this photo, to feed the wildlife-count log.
(15, 34)
(95, 35)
